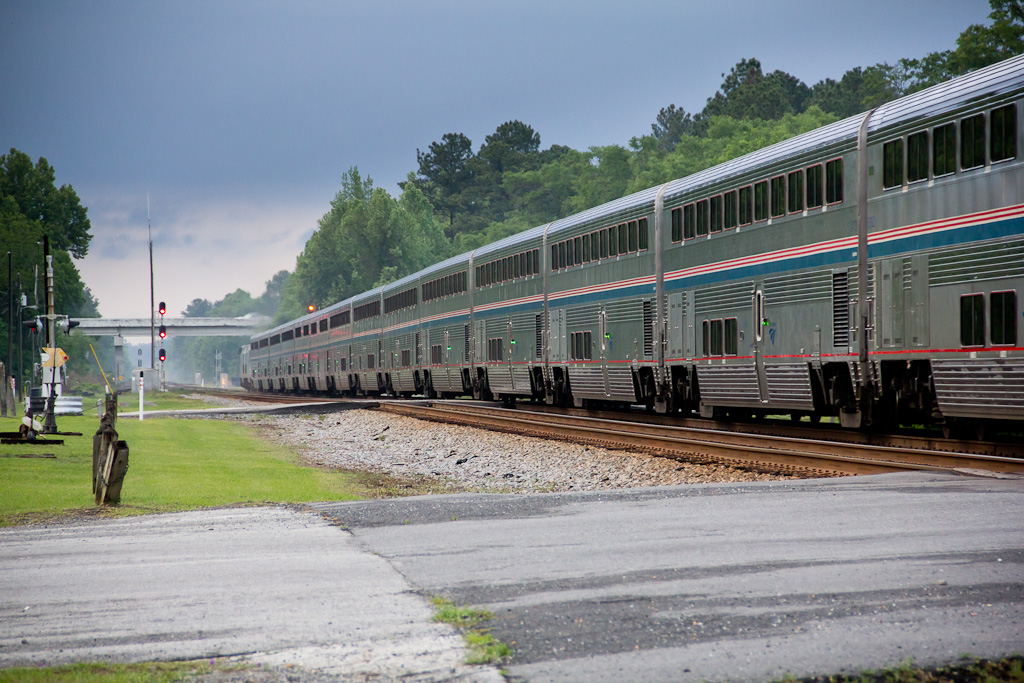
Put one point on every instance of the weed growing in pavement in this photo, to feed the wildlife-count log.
(1007, 670)
(483, 648)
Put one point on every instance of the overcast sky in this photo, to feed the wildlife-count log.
(238, 118)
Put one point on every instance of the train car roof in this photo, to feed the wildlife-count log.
(1006, 76)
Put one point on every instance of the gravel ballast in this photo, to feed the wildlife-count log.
(465, 458)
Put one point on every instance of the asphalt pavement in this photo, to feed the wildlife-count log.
(717, 582)
(723, 582)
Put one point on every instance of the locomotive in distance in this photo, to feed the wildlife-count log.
(870, 269)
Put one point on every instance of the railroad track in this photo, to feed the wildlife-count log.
(255, 397)
(761, 452)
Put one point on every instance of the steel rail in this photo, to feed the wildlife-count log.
(760, 452)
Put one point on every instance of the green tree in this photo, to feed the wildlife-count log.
(444, 174)
(671, 125)
(747, 93)
(31, 207)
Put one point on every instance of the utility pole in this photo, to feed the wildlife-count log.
(152, 314)
(10, 319)
(49, 419)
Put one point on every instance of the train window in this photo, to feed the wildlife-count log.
(730, 209)
(371, 361)
(705, 347)
(305, 330)
(731, 337)
(944, 150)
(561, 255)
(1003, 307)
(814, 194)
(613, 242)
(623, 239)
(716, 337)
(796, 191)
(1003, 133)
(761, 201)
(677, 224)
(595, 245)
(604, 243)
(892, 164)
(578, 248)
(529, 263)
(643, 233)
(972, 142)
(972, 320)
(716, 213)
(917, 156)
(778, 196)
(323, 325)
(634, 238)
(746, 195)
(554, 257)
(834, 181)
(702, 218)
(570, 254)
(689, 221)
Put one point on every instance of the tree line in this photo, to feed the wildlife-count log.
(458, 199)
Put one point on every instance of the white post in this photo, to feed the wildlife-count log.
(142, 392)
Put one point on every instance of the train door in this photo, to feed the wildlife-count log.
(602, 334)
(479, 343)
(760, 327)
(446, 355)
(675, 326)
(510, 336)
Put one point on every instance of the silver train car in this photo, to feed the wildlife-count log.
(871, 270)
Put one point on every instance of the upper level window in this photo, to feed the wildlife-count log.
(814, 187)
(677, 224)
(716, 213)
(746, 199)
(796, 191)
(917, 156)
(1003, 136)
(778, 196)
(834, 181)
(643, 233)
(702, 217)
(944, 150)
(689, 221)
(730, 210)
(892, 164)
(761, 201)
(634, 237)
(972, 142)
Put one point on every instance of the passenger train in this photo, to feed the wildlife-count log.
(871, 270)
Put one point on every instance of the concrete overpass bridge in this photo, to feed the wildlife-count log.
(177, 327)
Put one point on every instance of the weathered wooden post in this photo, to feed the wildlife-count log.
(109, 457)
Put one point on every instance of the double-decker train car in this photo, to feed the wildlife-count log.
(871, 269)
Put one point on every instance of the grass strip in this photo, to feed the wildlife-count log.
(94, 672)
(481, 646)
(174, 465)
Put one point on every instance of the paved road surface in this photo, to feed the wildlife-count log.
(272, 585)
(739, 582)
(723, 581)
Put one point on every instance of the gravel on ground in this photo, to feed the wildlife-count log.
(458, 458)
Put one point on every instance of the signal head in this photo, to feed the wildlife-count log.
(163, 332)
(311, 308)
(163, 355)
(163, 308)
